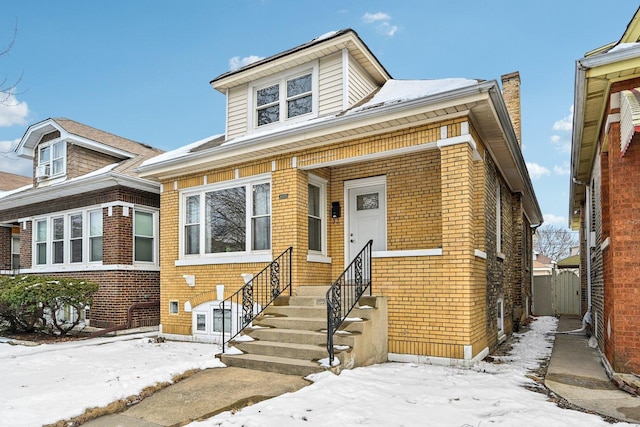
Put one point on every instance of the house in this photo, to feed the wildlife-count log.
(87, 214)
(604, 200)
(323, 152)
(11, 181)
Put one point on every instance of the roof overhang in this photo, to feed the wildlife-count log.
(317, 48)
(26, 146)
(76, 186)
(594, 77)
(482, 103)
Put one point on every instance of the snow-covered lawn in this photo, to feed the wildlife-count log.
(47, 383)
(52, 382)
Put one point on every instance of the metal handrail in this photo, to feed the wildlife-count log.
(345, 292)
(256, 295)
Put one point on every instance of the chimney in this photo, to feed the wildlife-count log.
(511, 95)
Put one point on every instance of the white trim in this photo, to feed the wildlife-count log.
(440, 361)
(604, 245)
(407, 253)
(373, 156)
(117, 203)
(321, 183)
(59, 268)
(611, 118)
(443, 132)
(241, 258)
(226, 184)
(345, 79)
(313, 257)
(480, 254)
(501, 256)
(462, 139)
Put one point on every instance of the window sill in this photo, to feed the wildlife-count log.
(318, 258)
(501, 256)
(84, 267)
(407, 253)
(240, 258)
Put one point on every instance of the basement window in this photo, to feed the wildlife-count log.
(500, 316)
(173, 307)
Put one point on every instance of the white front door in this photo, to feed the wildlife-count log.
(366, 215)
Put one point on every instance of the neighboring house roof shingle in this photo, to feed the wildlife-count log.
(10, 181)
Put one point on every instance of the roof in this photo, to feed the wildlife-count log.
(121, 173)
(595, 73)
(326, 44)
(10, 181)
(570, 262)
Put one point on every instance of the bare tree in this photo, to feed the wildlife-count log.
(8, 87)
(554, 241)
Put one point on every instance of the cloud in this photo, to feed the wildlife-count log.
(536, 171)
(9, 162)
(562, 170)
(561, 144)
(381, 21)
(237, 62)
(554, 219)
(12, 111)
(565, 124)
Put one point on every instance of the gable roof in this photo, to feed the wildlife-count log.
(10, 181)
(326, 44)
(121, 173)
(595, 73)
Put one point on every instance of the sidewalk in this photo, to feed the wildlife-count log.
(576, 374)
(201, 396)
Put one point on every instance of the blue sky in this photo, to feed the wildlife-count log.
(141, 69)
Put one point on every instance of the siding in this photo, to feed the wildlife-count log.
(360, 84)
(237, 120)
(330, 85)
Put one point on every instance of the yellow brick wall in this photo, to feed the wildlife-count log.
(433, 197)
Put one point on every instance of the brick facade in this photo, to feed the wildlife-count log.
(442, 305)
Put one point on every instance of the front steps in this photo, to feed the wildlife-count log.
(290, 336)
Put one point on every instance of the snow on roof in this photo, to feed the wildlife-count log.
(17, 190)
(325, 36)
(395, 91)
(623, 46)
(178, 152)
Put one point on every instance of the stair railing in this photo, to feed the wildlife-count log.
(345, 292)
(256, 295)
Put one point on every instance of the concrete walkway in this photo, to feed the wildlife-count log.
(576, 374)
(201, 396)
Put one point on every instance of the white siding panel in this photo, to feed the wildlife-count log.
(360, 83)
(330, 85)
(237, 112)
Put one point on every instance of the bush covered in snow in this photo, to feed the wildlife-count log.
(30, 303)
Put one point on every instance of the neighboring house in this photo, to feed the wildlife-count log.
(11, 181)
(86, 214)
(11, 247)
(323, 150)
(604, 197)
(542, 265)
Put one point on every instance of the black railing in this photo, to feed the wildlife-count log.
(345, 292)
(241, 308)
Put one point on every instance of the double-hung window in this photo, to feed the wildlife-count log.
(227, 218)
(285, 98)
(144, 236)
(15, 251)
(68, 238)
(52, 159)
(317, 215)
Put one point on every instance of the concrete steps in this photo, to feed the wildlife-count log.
(290, 336)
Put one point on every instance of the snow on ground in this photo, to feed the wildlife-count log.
(51, 382)
(46, 383)
(395, 394)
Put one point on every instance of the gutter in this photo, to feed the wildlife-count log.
(43, 194)
(326, 123)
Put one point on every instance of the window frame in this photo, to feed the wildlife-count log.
(66, 241)
(248, 254)
(499, 220)
(281, 80)
(172, 304)
(15, 237)
(154, 237)
(319, 255)
(50, 145)
(500, 316)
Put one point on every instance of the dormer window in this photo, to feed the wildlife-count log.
(51, 160)
(289, 97)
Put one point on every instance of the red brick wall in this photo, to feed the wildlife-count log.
(117, 236)
(5, 248)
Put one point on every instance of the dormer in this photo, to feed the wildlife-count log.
(324, 76)
(62, 149)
